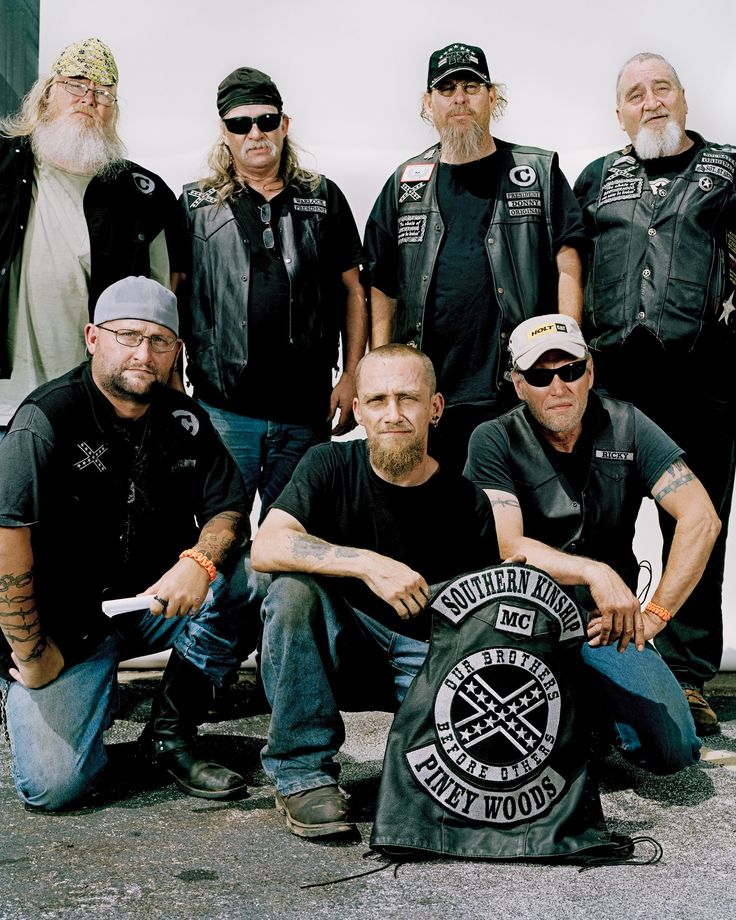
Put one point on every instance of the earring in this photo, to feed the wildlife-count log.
(435, 421)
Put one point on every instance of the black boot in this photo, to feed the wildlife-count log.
(179, 705)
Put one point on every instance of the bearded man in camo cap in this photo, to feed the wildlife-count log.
(76, 217)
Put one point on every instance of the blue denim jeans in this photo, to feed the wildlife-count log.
(266, 452)
(56, 732)
(318, 650)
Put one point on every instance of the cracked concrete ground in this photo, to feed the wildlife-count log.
(143, 850)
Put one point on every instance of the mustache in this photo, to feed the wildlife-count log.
(658, 114)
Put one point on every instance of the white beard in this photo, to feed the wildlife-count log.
(83, 148)
(650, 144)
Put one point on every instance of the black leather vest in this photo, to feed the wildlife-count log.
(486, 757)
(602, 525)
(519, 241)
(215, 314)
(659, 259)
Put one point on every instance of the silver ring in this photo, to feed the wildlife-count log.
(164, 603)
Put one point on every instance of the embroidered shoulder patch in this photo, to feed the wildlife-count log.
(143, 183)
(199, 197)
(417, 172)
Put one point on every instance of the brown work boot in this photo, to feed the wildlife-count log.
(706, 721)
(316, 812)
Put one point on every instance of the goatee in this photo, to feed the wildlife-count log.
(396, 462)
(650, 144)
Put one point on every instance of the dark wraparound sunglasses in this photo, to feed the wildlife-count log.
(543, 376)
(243, 124)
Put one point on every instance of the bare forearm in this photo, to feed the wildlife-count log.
(356, 329)
(570, 283)
(691, 547)
(383, 309)
(19, 619)
(291, 551)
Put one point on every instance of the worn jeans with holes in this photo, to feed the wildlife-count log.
(266, 452)
(56, 731)
(320, 655)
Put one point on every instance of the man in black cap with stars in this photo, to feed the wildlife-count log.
(465, 241)
(274, 282)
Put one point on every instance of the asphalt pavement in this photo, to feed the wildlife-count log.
(142, 850)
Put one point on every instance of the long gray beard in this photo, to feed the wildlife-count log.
(463, 143)
(651, 144)
(87, 150)
(396, 463)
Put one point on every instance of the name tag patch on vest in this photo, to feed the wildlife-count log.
(524, 204)
(412, 228)
(614, 454)
(413, 191)
(417, 172)
(199, 197)
(311, 205)
(620, 190)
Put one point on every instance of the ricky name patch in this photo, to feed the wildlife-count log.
(614, 454)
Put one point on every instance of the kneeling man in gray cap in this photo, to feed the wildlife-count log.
(113, 485)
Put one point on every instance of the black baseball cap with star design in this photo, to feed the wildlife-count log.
(457, 58)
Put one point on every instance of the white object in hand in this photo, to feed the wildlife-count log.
(127, 604)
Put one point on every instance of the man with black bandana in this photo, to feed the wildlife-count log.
(566, 473)
(115, 485)
(274, 283)
(465, 241)
(661, 214)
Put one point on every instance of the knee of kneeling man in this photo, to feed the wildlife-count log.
(292, 597)
(672, 760)
(53, 794)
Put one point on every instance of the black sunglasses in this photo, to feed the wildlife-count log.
(543, 376)
(243, 124)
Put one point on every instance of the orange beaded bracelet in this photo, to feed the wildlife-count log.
(662, 612)
(200, 558)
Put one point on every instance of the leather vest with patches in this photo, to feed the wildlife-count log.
(601, 526)
(519, 241)
(487, 757)
(660, 259)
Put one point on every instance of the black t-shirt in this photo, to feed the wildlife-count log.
(266, 386)
(441, 528)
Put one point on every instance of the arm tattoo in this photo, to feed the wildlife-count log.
(19, 619)
(305, 546)
(504, 503)
(679, 475)
(221, 536)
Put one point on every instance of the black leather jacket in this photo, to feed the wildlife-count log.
(659, 260)
(124, 213)
(214, 315)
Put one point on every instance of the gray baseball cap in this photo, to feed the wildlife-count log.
(138, 298)
(540, 334)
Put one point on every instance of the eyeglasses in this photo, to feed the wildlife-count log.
(132, 339)
(243, 124)
(81, 89)
(543, 376)
(449, 87)
(265, 211)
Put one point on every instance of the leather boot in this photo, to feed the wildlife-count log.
(179, 705)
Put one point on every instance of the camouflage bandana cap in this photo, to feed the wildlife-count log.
(89, 58)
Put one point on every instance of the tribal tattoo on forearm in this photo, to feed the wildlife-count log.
(680, 475)
(19, 619)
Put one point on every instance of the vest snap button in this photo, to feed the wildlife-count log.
(651, 231)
